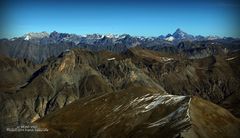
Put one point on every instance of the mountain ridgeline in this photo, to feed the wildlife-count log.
(178, 85)
(38, 47)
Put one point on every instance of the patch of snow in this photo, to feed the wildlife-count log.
(13, 39)
(112, 36)
(212, 37)
(109, 59)
(27, 37)
(117, 108)
(165, 99)
(141, 37)
(179, 116)
(170, 38)
(231, 58)
(67, 50)
(188, 110)
(151, 38)
(166, 59)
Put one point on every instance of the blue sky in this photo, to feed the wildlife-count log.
(142, 17)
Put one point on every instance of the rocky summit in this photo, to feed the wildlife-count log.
(70, 85)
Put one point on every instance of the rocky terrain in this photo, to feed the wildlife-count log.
(214, 78)
(134, 88)
(140, 112)
(137, 112)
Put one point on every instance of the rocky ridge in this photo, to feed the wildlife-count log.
(82, 74)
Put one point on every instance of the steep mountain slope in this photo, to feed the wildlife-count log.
(14, 73)
(232, 102)
(53, 86)
(209, 120)
(140, 112)
(74, 74)
(213, 78)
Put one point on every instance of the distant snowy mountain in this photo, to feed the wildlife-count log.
(45, 45)
(111, 39)
(33, 35)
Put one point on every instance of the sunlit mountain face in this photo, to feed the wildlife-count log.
(142, 68)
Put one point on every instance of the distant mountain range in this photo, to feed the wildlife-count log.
(38, 47)
(54, 37)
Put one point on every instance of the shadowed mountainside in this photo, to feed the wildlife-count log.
(14, 73)
(82, 74)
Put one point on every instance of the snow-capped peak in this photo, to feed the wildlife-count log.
(33, 35)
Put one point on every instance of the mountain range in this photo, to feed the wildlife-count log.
(54, 37)
(38, 47)
(178, 85)
(44, 38)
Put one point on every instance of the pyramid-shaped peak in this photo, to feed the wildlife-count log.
(179, 34)
(179, 30)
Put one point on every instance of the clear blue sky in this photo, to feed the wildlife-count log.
(142, 17)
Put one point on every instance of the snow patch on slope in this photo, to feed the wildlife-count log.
(149, 102)
(170, 38)
(231, 58)
(27, 37)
